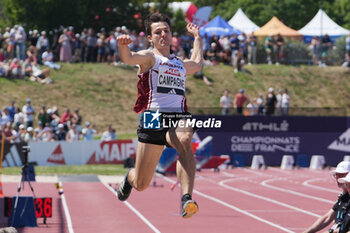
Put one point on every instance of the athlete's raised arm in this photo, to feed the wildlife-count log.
(144, 58)
(194, 64)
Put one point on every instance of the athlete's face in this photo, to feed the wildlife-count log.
(160, 35)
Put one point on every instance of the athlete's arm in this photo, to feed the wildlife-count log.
(144, 58)
(194, 64)
(322, 222)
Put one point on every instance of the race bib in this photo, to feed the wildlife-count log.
(171, 80)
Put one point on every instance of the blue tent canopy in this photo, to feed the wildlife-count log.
(219, 27)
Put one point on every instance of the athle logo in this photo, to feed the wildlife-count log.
(151, 120)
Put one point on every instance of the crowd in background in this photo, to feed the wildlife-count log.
(21, 52)
(268, 105)
(17, 125)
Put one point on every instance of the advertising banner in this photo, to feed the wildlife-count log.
(274, 137)
(81, 152)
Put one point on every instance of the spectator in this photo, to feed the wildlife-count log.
(43, 116)
(234, 47)
(336, 212)
(270, 102)
(72, 134)
(77, 119)
(212, 54)
(12, 110)
(326, 43)
(239, 101)
(206, 45)
(28, 111)
(269, 44)
(260, 103)
(16, 68)
(285, 102)
(19, 117)
(77, 45)
(46, 135)
(61, 133)
(65, 50)
(5, 117)
(10, 135)
(186, 44)
(42, 45)
(225, 103)
(29, 135)
(226, 44)
(279, 102)
(279, 43)
(175, 43)
(316, 48)
(47, 59)
(109, 134)
(112, 45)
(21, 133)
(66, 118)
(88, 132)
(252, 107)
(20, 38)
(238, 61)
(91, 42)
(252, 49)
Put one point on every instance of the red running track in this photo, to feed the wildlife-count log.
(237, 200)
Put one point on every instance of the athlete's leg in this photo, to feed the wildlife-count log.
(147, 158)
(181, 140)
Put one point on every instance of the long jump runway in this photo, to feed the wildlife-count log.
(234, 200)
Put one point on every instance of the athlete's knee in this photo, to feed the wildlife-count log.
(186, 142)
(140, 185)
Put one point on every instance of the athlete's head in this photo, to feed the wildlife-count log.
(341, 171)
(155, 18)
(158, 31)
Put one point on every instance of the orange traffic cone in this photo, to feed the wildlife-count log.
(1, 193)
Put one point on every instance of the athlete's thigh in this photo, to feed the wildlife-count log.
(174, 137)
(147, 158)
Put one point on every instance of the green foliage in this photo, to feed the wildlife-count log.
(179, 24)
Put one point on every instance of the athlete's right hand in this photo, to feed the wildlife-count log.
(124, 40)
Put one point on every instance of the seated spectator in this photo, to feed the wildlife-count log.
(88, 132)
(238, 61)
(212, 54)
(5, 118)
(47, 59)
(46, 135)
(109, 134)
(21, 133)
(16, 68)
(60, 133)
(29, 135)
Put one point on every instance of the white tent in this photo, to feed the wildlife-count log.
(241, 22)
(320, 25)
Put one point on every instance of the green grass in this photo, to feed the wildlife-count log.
(71, 170)
(106, 94)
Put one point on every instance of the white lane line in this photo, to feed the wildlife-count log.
(265, 183)
(306, 183)
(234, 208)
(145, 220)
(222, 183)
(66, 213)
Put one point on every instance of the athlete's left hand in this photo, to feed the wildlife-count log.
(193, 29)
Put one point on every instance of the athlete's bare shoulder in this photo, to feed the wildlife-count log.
(149, 62)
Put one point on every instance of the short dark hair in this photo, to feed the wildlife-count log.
(154, 18)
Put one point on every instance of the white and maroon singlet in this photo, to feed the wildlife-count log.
(162, 87)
